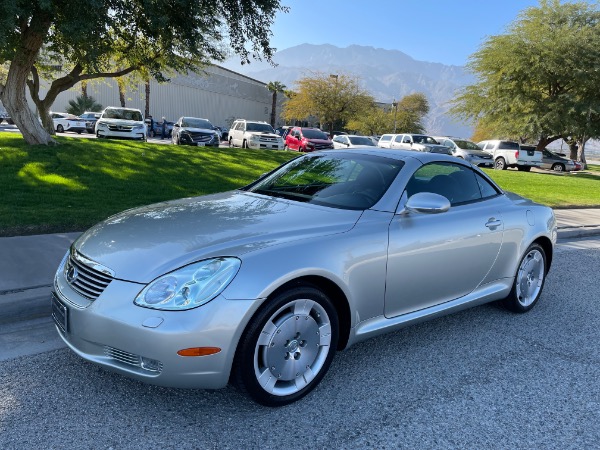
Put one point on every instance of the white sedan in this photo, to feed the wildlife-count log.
(344, 141)
(67, 122)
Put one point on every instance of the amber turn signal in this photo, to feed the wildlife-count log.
(199, 351)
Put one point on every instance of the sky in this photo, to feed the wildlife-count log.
(443, 31)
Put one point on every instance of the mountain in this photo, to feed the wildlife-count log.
(386, 74)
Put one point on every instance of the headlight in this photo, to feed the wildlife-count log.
(138, 127)
(190, 286)
(254, 138)
(102, 125)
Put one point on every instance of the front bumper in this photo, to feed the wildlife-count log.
(134, 134)
(256, 145)
(142, 343)
(481, 162)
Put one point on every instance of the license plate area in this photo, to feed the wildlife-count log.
(60, 314)
(200, 144)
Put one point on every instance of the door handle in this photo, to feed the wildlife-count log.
(493, 223)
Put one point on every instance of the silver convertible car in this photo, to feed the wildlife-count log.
(261, 286)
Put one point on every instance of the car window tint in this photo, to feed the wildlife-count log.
(339, 182)
(485, 187)
(398, 138)
(453, 181)
(385, 138)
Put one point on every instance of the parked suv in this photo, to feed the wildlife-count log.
(467, 150)
(256, 135)
(121, 122)
(416, 142)
(304, 139)
(509, 154)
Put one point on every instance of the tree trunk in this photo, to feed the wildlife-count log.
(545, 141)
(581, 151)
(147, 109)
(273, 109)
(573, 147)
(12, 94)
(84, 93)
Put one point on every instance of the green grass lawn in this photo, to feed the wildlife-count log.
(74, 185)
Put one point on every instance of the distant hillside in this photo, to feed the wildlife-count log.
(386, 74)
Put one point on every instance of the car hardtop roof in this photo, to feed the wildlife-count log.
(123, 108)
(424, 157)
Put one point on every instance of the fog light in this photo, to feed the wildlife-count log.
(151, 365)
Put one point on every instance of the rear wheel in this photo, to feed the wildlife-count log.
(558, 167)
(500, 164)
(288, 347)
(529, 280)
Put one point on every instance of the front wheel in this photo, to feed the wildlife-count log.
(60, 129)
(288, 347)
(529, 280)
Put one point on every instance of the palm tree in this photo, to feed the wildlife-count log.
(275, 87)
(82, 104)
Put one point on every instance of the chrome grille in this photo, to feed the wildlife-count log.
(112, 127)
(323, 146)
(131, 359)
(85, 279)
(268, 139)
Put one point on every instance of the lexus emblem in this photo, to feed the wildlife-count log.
(72, 274)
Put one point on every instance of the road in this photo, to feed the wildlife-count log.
(482, 378)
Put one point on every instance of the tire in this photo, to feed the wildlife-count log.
(500, 164)
(529, 280)
(524, 168)
(285, 147)
(79, 132)
(59, 128)
(98, 136)
(288, 347)
(244, 144)
(230, 143)
(558, 167)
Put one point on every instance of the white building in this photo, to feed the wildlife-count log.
(217, 94)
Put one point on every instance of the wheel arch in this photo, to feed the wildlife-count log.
(546, 244)
(335, 294)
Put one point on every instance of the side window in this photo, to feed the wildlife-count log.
(453, 181)
(486, 188)
(489, 146)
(406, 140)
(398, 138)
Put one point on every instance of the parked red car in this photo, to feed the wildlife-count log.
(304, 139)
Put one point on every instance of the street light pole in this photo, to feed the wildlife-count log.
(335, 77)
(395, 106)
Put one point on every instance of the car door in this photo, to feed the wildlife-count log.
(436, 258)
(396, 141)
(293, 139)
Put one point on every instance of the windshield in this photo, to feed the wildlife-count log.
(310, 133)
(466, 145)
(192, 122)
(361, 140)
(420, 139)
(262, 127)
(123, 114)
(344, 181)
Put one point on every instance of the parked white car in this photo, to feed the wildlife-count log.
(67, 122)
(342, 141)
(509, 154)
(415, 142)
(254, 134)
(121, 123)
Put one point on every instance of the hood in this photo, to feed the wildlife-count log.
(199, 130)
(434, 148)
(121, 121)
(265, 133)
(143, 243)
(479, 153)
(319, 141)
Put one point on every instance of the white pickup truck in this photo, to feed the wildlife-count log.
(509, 154)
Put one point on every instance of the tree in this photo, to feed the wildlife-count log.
(406, 116)
(82, 104)
(275, 87)
(112, 38)
(541, 79)
(330, 98)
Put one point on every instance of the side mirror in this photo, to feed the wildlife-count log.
(427, 203)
